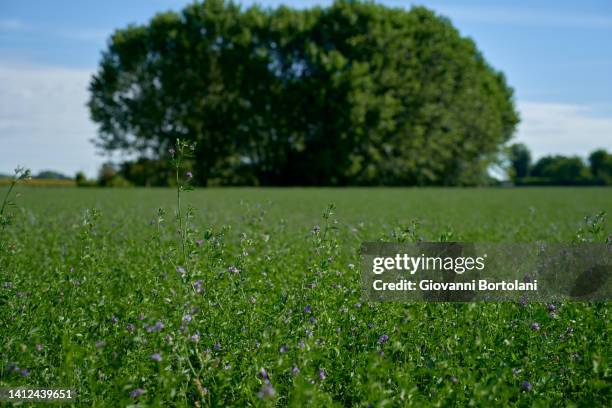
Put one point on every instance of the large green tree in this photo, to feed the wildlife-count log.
(355, 93)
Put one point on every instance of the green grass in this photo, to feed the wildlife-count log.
(69, 270)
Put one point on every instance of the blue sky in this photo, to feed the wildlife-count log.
(556, 55)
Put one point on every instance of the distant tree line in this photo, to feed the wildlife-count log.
(351, 94)
(44, 175)
(559, 170)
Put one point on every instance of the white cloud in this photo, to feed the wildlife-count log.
(44, 123)
(555, 128)
(11, 24)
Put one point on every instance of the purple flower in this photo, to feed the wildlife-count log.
(159, 325)
(196, 337)
(180, 270)
(233, 269)
(227, 366)
(523, 301)
(526, 386)
(263, 374)
(267, 391)
(156, 357)
(39, 347)
(217, 346)
(535, 326)
(137, 392)
(25, 372)
(283, 349)
(383, 339)
(295, 370)
(322, 374)
(130, 328)
(308, 309)
(569, 330)
(197, 285)
(189, 174)
(313, 320)
(187, 318)
(114, 319)
(551, 307)
(301, 344)
(141, 317)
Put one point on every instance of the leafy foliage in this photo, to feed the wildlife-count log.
(601, 166)
(520, 160)
(355, 93)
(265, 309)
(558, 170)
(8, 202)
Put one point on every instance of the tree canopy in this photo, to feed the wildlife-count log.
(520, 160)
(354, 93)
(557, 170)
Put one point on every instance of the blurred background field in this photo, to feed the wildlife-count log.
(474, 213)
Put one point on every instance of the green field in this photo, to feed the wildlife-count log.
(265, 309)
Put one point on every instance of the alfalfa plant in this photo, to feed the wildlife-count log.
(179, 154)
(6, 217)
(593, 229)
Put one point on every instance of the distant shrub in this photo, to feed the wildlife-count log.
(82, 181)
(119, 181)
(147, 172)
